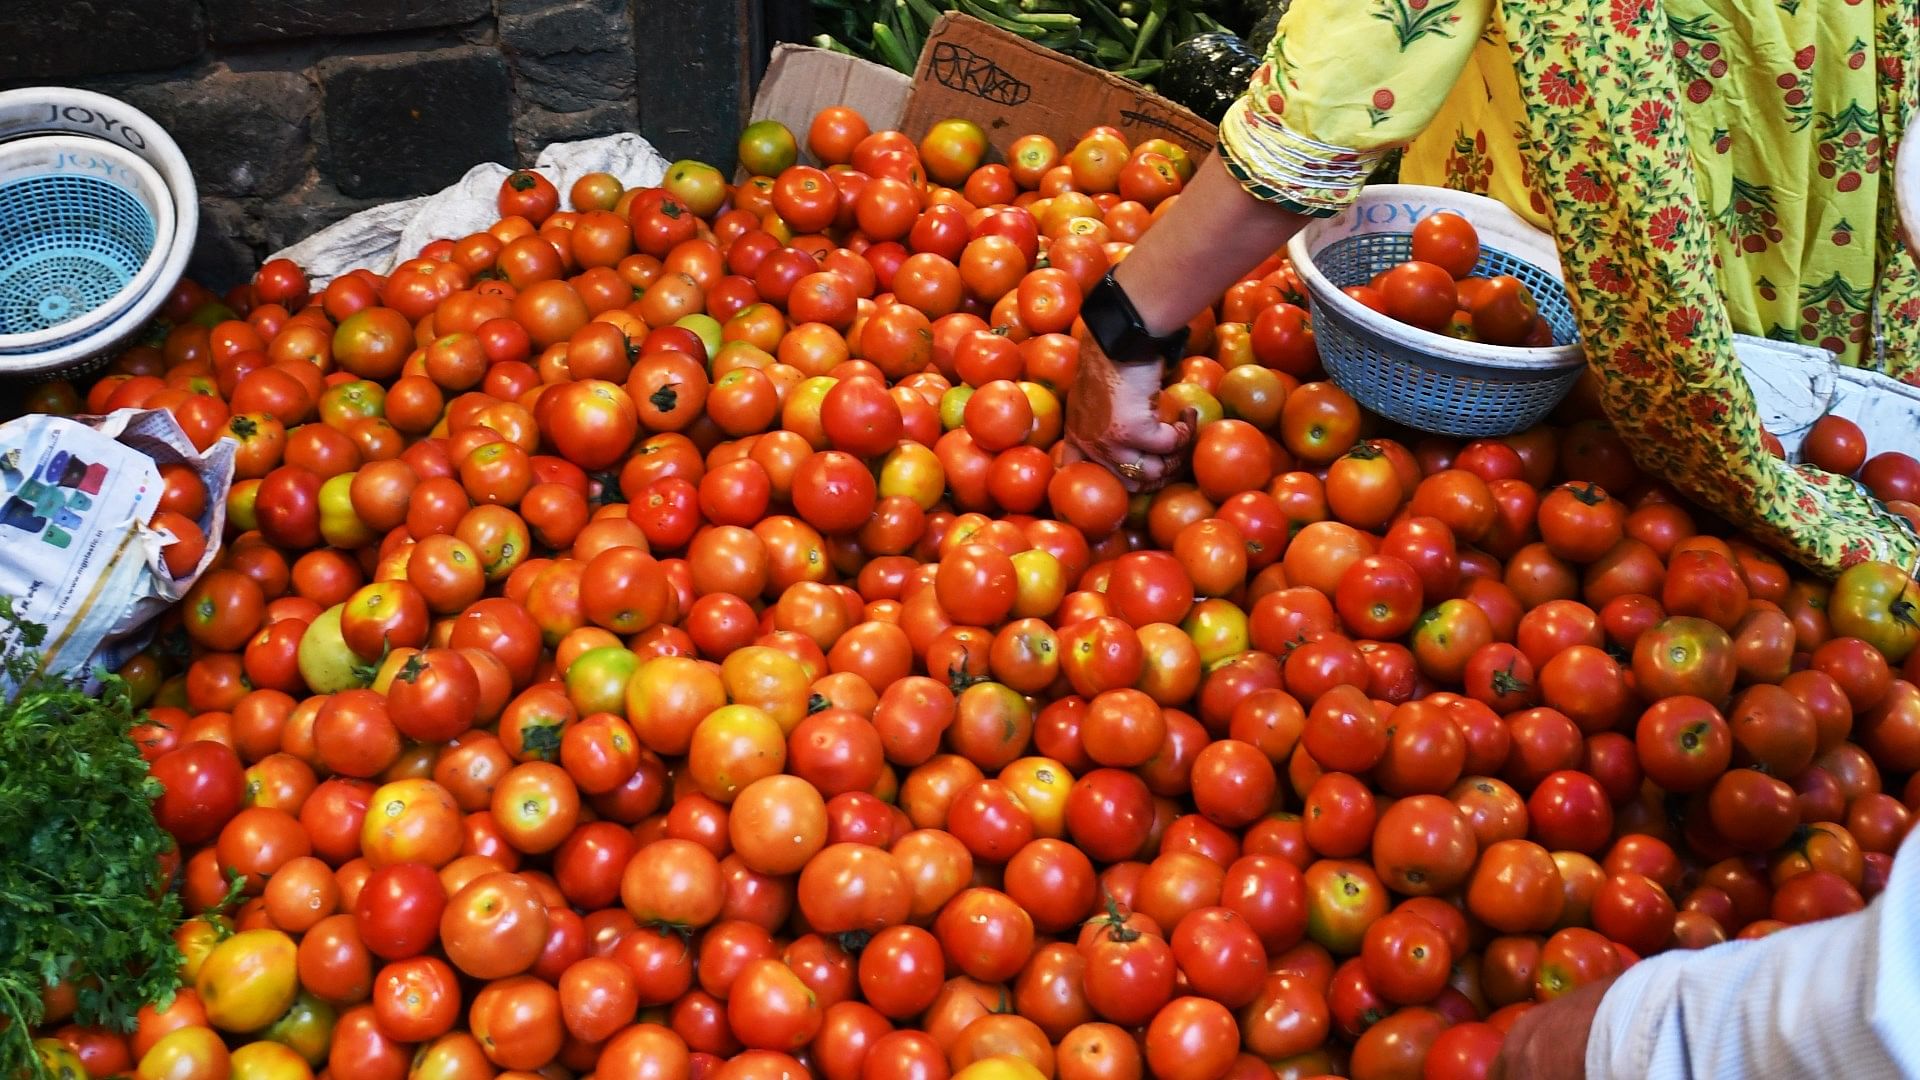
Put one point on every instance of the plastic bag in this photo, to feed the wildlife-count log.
(76, 496)
(1795, 385)
(384, 235)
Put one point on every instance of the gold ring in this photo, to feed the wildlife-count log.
(1131, 470)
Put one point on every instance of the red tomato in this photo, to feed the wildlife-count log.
(1420, 293)
(1836, 444)
(1448, 241)
(1505, 313)
(201, 788)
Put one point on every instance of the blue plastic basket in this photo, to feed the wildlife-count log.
(69, 243)
(91, 238)
(1424, 380)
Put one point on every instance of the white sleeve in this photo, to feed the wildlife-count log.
(1839, 998)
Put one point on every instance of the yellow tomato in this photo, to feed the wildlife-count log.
(912, 470)
(411, 821)
(390, 667)
(1218, 629)
(191, 1053)
(306, 1028)
(1000, 1068)
(1195, 397)
(242, 500)
(800, 413)
(453, 1056)
(1041, 784)
(196, 939)
(1047, 415)
(269, 1061)
(249, 980)
(953, 406)
(1039, 584)
(734, 746)
(339, 525)
(59, 1060)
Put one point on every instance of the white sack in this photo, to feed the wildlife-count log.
(380, 237)
(1886, 409)
(1794, 385)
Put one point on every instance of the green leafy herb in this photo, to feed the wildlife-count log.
(81, 897)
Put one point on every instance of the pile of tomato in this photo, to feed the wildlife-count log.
(663, 637)
(1437, 290)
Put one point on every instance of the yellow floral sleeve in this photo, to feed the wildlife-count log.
(1791, 114)
(1344, 83)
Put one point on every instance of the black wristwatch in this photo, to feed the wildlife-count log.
(1115, 325)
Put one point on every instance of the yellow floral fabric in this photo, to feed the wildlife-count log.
(1360, 78)
(1678, 152)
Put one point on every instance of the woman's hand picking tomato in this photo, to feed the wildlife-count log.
(1113, 419)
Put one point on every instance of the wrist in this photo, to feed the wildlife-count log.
(1128, 377)
(1123, 332)
(1157, 315)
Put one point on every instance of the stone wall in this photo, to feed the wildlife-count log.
(295, 113)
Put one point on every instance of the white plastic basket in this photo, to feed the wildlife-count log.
(44, 110)
(84, 229)
(1424, 380)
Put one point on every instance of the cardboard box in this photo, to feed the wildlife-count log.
(801, 80)
(968, 69)
(1012, 87)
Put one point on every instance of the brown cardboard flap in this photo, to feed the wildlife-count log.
(801, 80)
(1012, 87)
(1006, 84)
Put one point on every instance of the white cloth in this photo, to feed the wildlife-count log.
(1839, 998)
(384, 235)
(1795, 385)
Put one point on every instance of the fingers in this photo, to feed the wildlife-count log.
(1137, 472)
(1143, 472)
(1154, 473)
(1144, 459)
(1189, 422)
(1155, 437)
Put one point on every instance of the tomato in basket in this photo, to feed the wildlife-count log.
(1497, 310)
(1469, 290)
(1368, 296)
(1504, 311)
(1448, 241)
(1420, 294)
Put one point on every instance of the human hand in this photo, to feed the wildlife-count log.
(1111, 421)
(1551, 1039)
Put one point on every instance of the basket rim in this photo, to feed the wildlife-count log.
(160, 205)
(1322, 290)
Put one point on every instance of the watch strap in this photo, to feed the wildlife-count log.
(1115, 325)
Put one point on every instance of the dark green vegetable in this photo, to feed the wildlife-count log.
(1129, 37)
(1219, 10)
(81, 898)
(1208, 73)
(1263, 19)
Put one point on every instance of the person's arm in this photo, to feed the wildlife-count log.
(1834, 998)
(1342, 86)
(1211, 237)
